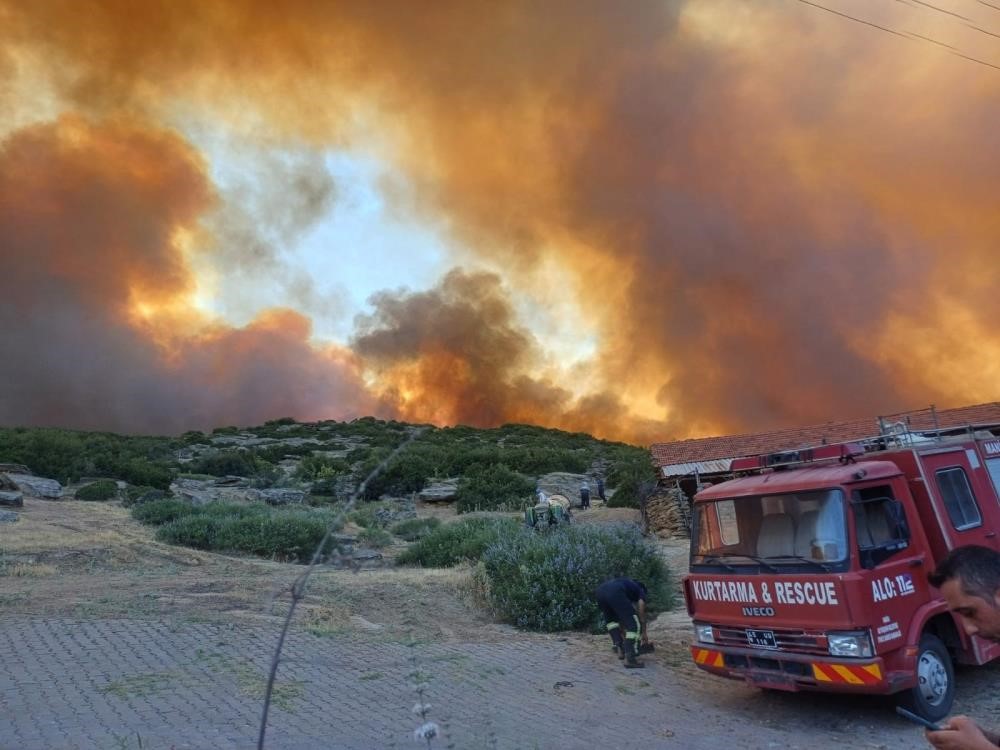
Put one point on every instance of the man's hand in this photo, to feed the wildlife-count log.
(960, 733)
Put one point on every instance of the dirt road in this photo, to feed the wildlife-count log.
(109, 640)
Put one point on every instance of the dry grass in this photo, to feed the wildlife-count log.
(59, 525)
(27, 570)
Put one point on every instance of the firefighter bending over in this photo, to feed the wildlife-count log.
(623, 604)
(969, 579)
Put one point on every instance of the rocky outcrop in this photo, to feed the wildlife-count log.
(202, 491)
(278, 496)
(32, 486)
(7, 516)
(568, 485)
(441, 491)
(14, 469)
(9, 499)
(10, 494)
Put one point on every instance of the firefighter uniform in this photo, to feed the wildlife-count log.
(617, 599)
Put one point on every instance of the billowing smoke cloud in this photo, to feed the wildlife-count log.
(96, 329)
(770, 216)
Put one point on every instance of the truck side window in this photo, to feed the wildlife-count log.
(874, 518)
(958, 498)
(725, 512)
(993, 467)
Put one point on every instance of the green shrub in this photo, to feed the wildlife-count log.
(279, 535)
(545, 581)
(413, 529)
(375, 537)
(367, 515)
(139, 495)
(452, 543)
(198, 530)
(102, 489)
(633, 478)
(493, 487)
(233, 510)
(312, 468)
(134, 491)
(159, 512)
(226, 463)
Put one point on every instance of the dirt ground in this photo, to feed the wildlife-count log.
(92, 562)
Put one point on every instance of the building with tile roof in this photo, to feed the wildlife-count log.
(712, 456)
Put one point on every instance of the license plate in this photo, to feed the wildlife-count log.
(762, 638)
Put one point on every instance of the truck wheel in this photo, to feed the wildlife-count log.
(934, 692)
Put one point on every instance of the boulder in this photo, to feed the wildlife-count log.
(14, 469)
(32, 486)
(282, 496)
(7, 516)
(440, 491)
(11, 499)
(568, 485)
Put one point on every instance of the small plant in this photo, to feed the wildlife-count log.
(413, 529)
(375, 537)
(453, 543)
(102, 489)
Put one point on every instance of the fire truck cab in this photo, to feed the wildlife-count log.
(808, 571)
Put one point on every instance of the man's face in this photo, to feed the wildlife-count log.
(979, 616)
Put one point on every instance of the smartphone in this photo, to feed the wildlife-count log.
(927, 723)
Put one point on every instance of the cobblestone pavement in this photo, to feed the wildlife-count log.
(67, 684)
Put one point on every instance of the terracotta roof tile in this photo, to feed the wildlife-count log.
(736, 446)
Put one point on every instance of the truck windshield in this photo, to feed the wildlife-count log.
(801, 529)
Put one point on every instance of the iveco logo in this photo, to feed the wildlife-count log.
(758, 611)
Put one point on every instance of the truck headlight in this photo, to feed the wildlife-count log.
(856, 643)
(703, 633)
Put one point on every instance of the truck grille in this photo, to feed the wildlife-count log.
(786, 639)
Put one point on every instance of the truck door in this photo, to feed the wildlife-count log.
(883, 535)
(956, 490)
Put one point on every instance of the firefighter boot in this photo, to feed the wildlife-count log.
(630, 652)
(618, 641)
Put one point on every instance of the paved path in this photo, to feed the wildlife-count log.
(99, 684)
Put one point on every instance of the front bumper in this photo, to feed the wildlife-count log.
(781, 670)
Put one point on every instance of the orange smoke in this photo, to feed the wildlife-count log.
(780, 219)
(97, 329)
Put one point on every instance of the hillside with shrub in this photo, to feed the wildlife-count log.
(490, 469)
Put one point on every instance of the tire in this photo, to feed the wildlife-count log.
(934, 692)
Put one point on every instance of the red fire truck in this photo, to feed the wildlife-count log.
(808, 570)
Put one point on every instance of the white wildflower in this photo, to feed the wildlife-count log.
(421, 709)
(426, 732)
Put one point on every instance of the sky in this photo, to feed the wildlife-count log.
(647, 221)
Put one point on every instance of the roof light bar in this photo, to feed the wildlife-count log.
(843, 452)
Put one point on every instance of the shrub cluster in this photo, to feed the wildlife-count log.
(545, 581)
(375, 537)
(413, 529)
(67, 455)
(159, 512)
(102, 489)
(452, 543)
(493, 487)
(634, 478)
(279, 533)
